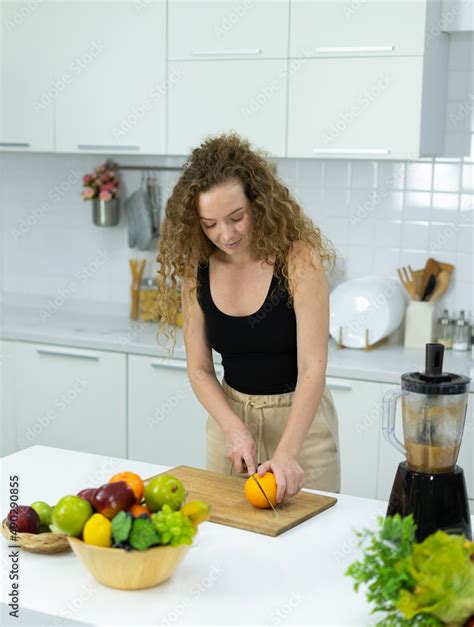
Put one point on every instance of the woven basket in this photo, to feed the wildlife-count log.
(38, 542)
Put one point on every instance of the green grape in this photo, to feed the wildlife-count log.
(174, 528)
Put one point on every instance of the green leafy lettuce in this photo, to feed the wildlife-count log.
(443, 576)
(427, 584)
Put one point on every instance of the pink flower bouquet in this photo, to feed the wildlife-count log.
(102, 183)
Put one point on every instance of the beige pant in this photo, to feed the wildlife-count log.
(265, 415)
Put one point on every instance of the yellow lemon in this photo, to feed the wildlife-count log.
(196, 511)
(98, 531)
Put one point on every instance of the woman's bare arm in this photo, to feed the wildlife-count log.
(239, 441)
(311, 304)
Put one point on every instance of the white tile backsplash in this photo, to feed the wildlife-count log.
(468, 178)
(466, 238)
(388, 234)
(419, 176)
(378, 214)
(446, 177)
(363, 174)
(443, 237)
(415, 235)
(417, 206)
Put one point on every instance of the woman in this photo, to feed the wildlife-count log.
(250, 267)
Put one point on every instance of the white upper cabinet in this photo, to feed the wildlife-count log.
(26, 76)
(355, 108)
(376, 90)
(350, 27)
(227, 29)
(210, 97)
(111, 77)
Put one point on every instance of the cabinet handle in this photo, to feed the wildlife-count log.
(68, 352)
(106, 147)
(351, 49)
(210, 52)
(14, 145)
(352, 151)
(347, 387)
(176, 364)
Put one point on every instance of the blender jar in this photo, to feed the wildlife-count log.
(434, 408)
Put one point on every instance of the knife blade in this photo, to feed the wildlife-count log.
(264, 494)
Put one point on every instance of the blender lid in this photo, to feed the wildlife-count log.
(434, 380)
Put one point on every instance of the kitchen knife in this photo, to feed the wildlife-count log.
(264, 494)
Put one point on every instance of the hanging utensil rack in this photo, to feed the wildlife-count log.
(113, 165)
(110, 163)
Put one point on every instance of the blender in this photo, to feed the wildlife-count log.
(429, 484)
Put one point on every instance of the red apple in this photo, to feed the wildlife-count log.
(112, 498)
(88, 494)
(23, 519)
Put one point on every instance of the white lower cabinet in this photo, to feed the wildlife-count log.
(358, 408)
(65, 397)
(166, 422)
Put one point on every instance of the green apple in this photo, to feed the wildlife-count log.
(44, 511)
(164, 490)
(71, 513)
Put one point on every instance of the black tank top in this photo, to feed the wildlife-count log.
(258, 351)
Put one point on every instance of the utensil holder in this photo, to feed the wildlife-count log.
(419, 324)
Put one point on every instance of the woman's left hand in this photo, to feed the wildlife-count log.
(288, 473)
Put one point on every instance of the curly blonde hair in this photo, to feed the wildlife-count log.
(277, 220)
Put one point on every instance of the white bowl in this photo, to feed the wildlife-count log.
(371, 302)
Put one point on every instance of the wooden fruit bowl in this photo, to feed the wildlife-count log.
(37, 542)
(129, 570)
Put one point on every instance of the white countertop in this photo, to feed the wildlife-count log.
(105, 327)
(231, 576)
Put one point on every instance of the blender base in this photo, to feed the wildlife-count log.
(437, 501)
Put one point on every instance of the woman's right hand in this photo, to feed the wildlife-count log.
(240, 447)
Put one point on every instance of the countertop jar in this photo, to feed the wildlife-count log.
(148, 301)
(444, 330)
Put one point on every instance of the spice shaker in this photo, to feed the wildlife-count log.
(444, 331)
(462, 333)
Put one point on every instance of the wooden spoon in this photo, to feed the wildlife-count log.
(405, 274)
(418, 276)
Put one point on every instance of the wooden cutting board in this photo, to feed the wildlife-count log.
(225, 495)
